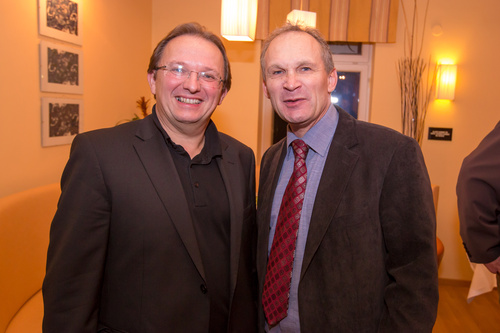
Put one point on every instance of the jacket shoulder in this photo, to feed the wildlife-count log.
(234, 143)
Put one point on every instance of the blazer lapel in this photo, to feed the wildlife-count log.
(269, 175)
(232, 177)
(159, 165)
(339, 164)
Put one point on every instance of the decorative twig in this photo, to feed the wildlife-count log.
(411, 71)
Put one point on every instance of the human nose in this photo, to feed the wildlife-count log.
(291, 81)
(192, 83)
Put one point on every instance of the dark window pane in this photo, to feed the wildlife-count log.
(346, 48)
(346, 94)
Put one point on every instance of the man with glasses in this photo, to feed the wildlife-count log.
(155, 223)
(346, 225)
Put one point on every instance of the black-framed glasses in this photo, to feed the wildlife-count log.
(210, 78)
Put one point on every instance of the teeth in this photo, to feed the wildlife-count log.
(188, 100)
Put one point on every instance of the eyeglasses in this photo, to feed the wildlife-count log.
(179, 71)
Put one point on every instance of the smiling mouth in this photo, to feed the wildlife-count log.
(188, 100)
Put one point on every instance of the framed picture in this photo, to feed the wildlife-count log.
(61, 120)
(61, 68)
(61, 19)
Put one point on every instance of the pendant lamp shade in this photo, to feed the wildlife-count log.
(302, 17)
(238, 20)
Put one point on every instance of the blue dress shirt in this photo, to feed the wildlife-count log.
(318, 138)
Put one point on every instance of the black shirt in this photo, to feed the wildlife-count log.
(207, 198)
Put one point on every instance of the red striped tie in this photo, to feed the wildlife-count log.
(279, 266)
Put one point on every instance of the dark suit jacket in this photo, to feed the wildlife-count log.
(370, 259)
(123, 256)
(478, 193)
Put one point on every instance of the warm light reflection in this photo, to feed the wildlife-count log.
(442, 108)
(238, 20)
(442, 102)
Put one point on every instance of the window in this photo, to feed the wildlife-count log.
(353, 63)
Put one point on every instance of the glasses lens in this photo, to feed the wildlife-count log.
(178, 71)
(208, 77)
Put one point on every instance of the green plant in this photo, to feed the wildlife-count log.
(143, 105)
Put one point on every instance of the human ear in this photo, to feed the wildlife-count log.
(332, 80)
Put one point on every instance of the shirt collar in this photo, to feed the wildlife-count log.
(319, 136)
(211, 149)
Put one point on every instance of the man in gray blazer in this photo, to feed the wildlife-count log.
(365, 251)
(478, 195)
(155, 227)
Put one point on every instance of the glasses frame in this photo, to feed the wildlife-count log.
(186, 74)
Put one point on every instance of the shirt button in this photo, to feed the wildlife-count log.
(196, 184)
(203, 289)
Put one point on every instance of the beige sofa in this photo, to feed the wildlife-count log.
(25, 219)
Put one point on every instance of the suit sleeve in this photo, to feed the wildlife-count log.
(77, 248)
(478, 194)
(409, 227)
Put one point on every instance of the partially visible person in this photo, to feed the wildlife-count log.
(154, 230)
(478, 194)
(346, 221)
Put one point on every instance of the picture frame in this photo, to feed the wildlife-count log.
(61, 19)
(61, 68)
(62, 120)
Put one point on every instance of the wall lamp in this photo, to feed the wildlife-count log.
(238, 20)
(446, 81)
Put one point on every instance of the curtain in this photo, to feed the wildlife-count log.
(368, 21)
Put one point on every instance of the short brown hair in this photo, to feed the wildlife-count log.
(326, 53)
(194, 29)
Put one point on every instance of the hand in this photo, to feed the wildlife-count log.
(494, 266)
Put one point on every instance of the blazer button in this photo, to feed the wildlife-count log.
(203, 289)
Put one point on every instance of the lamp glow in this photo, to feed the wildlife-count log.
(446, 81)
(302, 17)
(238, 20)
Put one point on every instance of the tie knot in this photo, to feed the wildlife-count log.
(300, 148)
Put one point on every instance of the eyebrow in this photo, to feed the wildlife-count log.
(307, 63)
(300, 64)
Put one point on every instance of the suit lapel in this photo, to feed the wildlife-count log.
(339, 164)
(269, 175)
(232, 177)
(159, 165)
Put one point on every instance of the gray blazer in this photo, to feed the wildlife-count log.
(478, 194)
(123, 256)
(370, 260)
